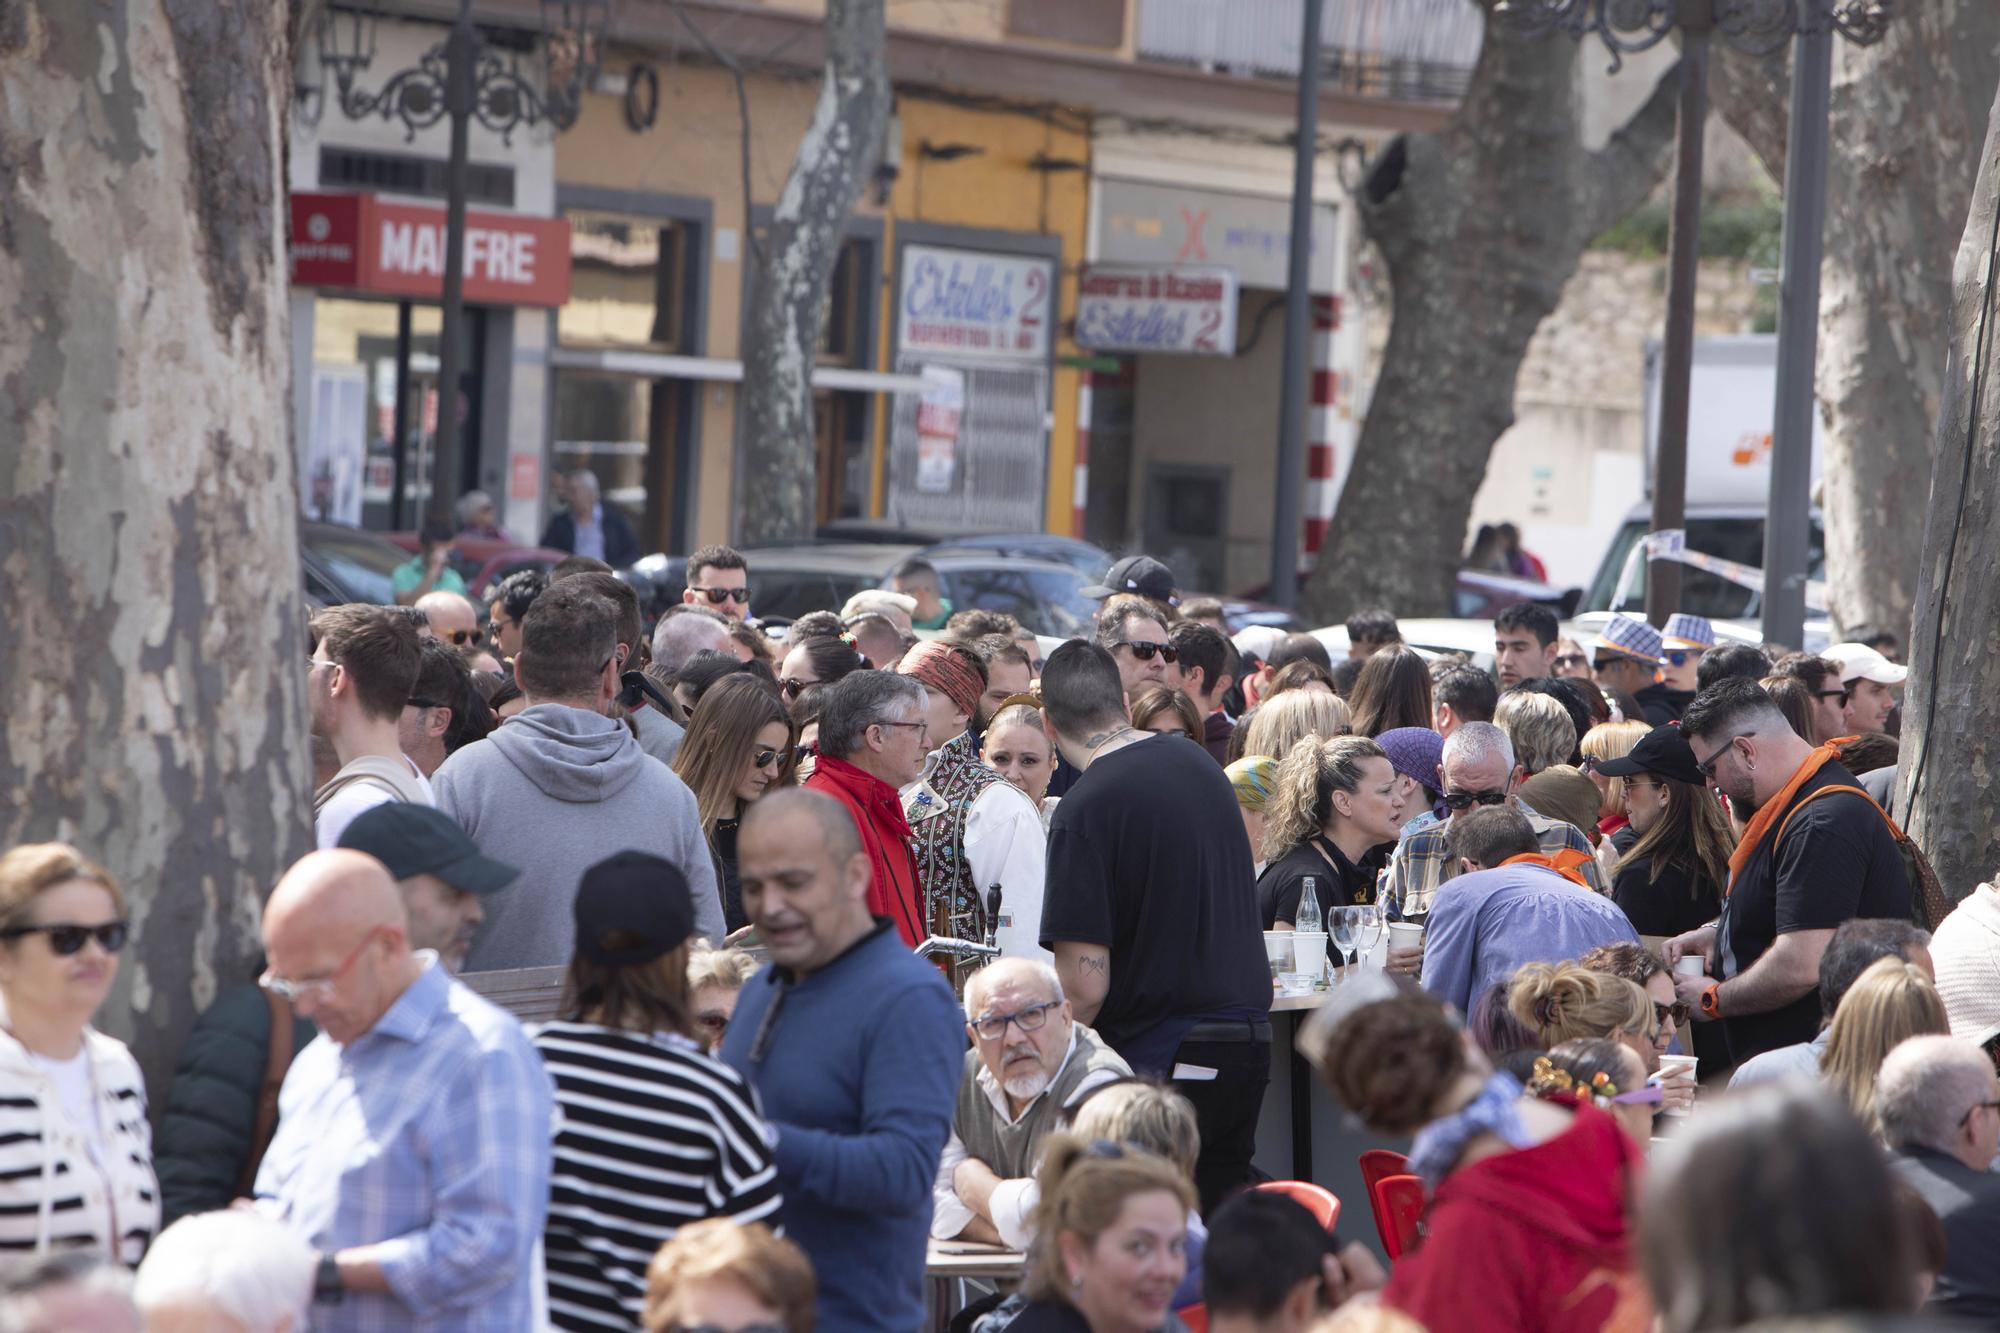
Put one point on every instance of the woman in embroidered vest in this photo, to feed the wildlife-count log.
(1527, 1227)
(739, 745)
(1335, 817)
(76, 1171)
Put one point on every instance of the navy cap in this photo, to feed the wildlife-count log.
(417, 840)
(1662, 752)
(1139, 574)
(640, 896)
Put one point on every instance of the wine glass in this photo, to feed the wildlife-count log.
(1345, 922)
(1369, 932)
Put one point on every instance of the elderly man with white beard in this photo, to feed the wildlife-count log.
(1029, 1060)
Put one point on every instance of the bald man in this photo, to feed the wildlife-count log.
(453, 619)
(854, 1045)
(413, 1140)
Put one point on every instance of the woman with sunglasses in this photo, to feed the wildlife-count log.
(738, 746)
(1671, 880)
(76, 1171)
(1642, 967)
(814, 663)
(1168, 712)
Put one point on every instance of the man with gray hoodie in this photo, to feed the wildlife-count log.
(561, 786)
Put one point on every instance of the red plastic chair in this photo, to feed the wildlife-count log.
(1195, 1317)
(1399, 1205)
(1377, 1165)
(1321, 1203)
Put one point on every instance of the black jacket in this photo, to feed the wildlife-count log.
(203, 1141)
(621, 547)
(1967, 1202)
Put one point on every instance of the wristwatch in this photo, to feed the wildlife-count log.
(326, 1281)
(1711, 1000)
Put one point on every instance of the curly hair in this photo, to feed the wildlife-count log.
(1391, 1061)
(1562, 1002)
(1307, 779)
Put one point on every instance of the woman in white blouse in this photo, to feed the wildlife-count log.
(76, 1152)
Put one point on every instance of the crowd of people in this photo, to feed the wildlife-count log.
(899, 926)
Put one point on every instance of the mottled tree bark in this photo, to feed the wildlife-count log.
(788, 291)
(1951, 710)
(1479, 226)
(1906, 121)
(151, 650)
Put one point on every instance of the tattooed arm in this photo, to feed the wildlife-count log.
(1085, 970)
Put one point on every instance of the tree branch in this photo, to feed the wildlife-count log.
(1629, 165)
(1754, 98)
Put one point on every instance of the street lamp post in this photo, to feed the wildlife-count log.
(1298, 327)
(1758, 28)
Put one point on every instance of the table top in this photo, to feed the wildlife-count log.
(964, 1258)
(1282, 1003)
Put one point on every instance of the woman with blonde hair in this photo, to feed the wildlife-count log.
(1335, 818)
(1283, 722)
(740, 744)
(1170, 712)
(715, 980)
(1112, 1228)
(1017, 747)
(720, 1274)
(1890, 1003)
(1561, 1002)
(1611, 740)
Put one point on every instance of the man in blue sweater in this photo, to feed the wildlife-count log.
(855, 1047)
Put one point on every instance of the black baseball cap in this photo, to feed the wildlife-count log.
(417, 840)
(1139, 574)
(1662, 752)
(635, 894)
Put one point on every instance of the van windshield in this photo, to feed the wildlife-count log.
(1702, 593)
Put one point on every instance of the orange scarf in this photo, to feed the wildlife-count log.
(1564, 863)
(1767, 814)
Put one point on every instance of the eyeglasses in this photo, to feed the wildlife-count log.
(1459, 800)
(794, 687)
(317, 987)
(66, 939)
(1706, 767)
(458, 638)
(1572, 660)
(1677, 657)
(920, 726)
(1978, 1106)
(991, 1027)
(1145, 651)
(766, 758)
(1609, 663)
(717, 596)
(496, 626)
(1676, 1011)
(313, 664)
(1841, 695)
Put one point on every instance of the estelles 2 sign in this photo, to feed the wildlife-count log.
(363, 242)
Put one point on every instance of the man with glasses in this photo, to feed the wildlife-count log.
(453, 620)
(718, 577)
(564, 784)
(506, 603)
(1478, 771)
(1683, 640)
(1135, 634)
(853, 1044)
(439, 717)
(874, 735)
(1815, 852)
(1030, 1062)
(359, 677)
(1627, 661)
(413, 1145)
(1939, 1104)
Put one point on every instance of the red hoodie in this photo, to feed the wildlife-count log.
(1534, 1241)
(877, 809)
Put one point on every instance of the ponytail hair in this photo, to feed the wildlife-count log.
(1308, 776)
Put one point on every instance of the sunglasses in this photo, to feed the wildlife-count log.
(1572, 660)
(1677, 658)
(1706, 767)
(794, 687)
(717, 596)
(1841, 695)
(766, 758)
(458, 638)
(1459, 800)
(67, 939)
(1676, 1011)
(1145, 651)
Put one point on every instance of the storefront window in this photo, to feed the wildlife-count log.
(625, 429)
(627, 283)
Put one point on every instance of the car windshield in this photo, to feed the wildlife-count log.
(1047, 601)
(1702, 593)
(361, 563)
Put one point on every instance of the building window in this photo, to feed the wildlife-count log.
(1099, 23)
(628, 283)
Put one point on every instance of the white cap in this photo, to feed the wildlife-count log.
(1259, 641)
(1860, 662)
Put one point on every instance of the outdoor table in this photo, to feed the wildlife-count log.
(951, 1260)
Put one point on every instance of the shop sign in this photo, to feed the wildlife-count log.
(363, 242)
(1130, 308)
(1139, 222)
(940, 408)
(970, 303)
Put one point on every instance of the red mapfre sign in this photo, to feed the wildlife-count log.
(362, 242)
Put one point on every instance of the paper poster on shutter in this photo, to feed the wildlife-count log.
(939, 411)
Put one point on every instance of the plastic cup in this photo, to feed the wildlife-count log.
(1278, 950)
(1309, 947)
(1671, 1065)
(1690, 965)
(1405, 934)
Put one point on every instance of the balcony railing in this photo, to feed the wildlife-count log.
(1407, 50)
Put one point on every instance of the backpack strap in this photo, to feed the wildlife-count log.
(1894, 832)
(277, 1059)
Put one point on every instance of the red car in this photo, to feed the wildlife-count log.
(484, 561)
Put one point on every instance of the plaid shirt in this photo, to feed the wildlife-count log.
(1423, 861)
(429, 1136)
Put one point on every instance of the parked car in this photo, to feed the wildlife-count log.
(1431, 638)
(342, 564)
(484, 561)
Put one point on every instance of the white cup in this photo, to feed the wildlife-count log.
(1405, 934)
(1671, 1065)
(1690, 965)
(1278, 950)
(1309, 948)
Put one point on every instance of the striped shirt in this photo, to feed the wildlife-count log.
(654, 1136)
(65, 1186)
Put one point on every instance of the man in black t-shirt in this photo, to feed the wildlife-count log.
(1151, 910)
(1807, 863)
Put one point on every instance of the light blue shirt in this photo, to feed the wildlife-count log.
(590, 536)
(1486, 926)
(430, 1134)
(1793, 1061)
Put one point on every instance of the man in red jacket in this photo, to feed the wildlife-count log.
(873, 739)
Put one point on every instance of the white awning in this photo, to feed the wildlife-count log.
(660, 365)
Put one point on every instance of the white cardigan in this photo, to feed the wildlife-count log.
(53, 1195)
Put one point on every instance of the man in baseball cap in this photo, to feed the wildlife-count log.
(440, 872)
(1143, 576)
(1871, 681)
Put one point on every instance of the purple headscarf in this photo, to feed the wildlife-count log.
(1416, 753)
